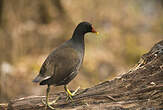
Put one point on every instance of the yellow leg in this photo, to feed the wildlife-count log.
(48, 104)
(69, 94)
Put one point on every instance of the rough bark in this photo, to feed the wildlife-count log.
(139, 88)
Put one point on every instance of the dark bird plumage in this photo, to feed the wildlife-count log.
(63, 64)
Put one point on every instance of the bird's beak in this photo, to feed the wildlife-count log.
(94, 31)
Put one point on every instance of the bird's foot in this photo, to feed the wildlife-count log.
(74, 93)
(70, 95)
(48, 104)
(69, 98)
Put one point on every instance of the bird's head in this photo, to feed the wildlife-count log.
(84, 27)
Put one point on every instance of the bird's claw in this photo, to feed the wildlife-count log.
(48, 104)
(69, 98)
(74, 93)
(70, 95)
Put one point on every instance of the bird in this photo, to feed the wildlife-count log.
(64, 62)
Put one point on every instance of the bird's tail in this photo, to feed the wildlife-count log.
(38, 79)
(44, 82)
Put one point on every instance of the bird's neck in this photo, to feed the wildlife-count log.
(78, 38)
(79, 43)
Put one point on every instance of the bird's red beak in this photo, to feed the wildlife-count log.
(94, 31)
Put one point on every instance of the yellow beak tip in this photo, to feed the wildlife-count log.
(97, 33)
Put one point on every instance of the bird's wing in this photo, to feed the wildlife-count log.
(60, 63)
(67, 62)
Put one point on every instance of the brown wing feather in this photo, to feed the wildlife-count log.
(61, 64)
(67, 61)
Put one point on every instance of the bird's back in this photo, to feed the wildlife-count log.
(61, 65)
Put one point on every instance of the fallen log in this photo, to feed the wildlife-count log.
(140, 88)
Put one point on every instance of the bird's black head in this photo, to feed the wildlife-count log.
(83, 28)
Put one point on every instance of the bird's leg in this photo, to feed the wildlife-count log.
(69, 94)
(47, 103)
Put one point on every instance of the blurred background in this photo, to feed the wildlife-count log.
(30, 30)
